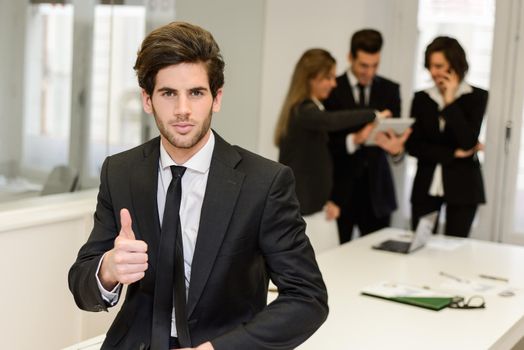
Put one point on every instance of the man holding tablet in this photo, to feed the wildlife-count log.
(363, 184)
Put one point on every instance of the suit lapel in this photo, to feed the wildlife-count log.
(143, 188)
(374, 95)
(223, 187)
(345, 86)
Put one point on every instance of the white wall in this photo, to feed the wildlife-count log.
(293, 26)
(40, 239)
(237, 26)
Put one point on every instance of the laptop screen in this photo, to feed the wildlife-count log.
(424, 231)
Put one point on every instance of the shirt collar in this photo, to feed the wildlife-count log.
(199, 162)
(353, 81)
(434, 93)
(318, 103)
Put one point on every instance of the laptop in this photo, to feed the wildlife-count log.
(420, 237)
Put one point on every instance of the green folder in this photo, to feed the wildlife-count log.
(431, 303)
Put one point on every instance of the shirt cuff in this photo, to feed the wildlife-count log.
(110, 297)
(351, 146)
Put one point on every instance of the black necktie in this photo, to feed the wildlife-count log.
(170, 277)
(361, 95)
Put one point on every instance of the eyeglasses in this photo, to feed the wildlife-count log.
(474, 302)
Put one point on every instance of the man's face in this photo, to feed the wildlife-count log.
(364, 66)
(182, 105)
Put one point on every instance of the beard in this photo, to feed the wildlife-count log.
(184, 141)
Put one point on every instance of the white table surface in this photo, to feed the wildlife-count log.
(362, 322)
(359, 322)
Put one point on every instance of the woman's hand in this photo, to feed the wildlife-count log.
(386, 113)
(448, 85)
(332, 211)
(362, 135)
(460, 153)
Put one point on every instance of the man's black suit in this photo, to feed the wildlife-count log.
(363, 184)
(250, 231)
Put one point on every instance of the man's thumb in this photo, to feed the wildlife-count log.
(125, 220)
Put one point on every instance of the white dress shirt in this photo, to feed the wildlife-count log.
(194, 184)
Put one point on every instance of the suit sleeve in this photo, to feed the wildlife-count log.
(417, 144)
(310, 117)
(82, 280)
(465, 124)
(301, 306)
(395, 102)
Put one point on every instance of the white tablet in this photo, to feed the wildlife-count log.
(398, 125)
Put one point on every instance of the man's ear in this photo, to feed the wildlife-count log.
(217, 101)
(147, 103)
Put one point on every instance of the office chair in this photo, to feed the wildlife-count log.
(61, 179)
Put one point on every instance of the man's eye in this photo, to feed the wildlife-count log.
(168, 93)
(196, 93)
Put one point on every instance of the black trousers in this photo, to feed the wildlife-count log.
(459, 217)
(357, 210)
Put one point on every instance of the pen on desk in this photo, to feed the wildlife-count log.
(445, 274)
(495, 278)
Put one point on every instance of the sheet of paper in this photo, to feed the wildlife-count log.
(392, 289)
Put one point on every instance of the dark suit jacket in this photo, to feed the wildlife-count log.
(305, 150)
(250, 231)
(371, 159)
(462, 178)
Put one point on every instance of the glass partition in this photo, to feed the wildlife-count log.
(70, 96)
(116, 110)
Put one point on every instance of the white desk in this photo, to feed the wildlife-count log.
(362, 322)
(358, 322)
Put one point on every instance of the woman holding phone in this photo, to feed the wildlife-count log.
(301, 135)
(448, 117)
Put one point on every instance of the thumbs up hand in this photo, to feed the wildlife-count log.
(126, 263)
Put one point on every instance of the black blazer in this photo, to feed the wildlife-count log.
(384, 94)
(305, 150)
(250, 231)
(462, 178)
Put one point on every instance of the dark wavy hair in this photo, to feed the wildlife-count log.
(367, 40)
(454, 53)
(174, 43)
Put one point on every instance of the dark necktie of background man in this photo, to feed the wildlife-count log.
(361, 95)
(170, 274)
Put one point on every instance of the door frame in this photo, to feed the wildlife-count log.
(504, 120)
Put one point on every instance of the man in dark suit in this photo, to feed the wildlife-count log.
(363, 184)
(194, 226)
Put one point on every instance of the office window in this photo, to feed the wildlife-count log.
(115, 120)
(470, 22)
(47, 95)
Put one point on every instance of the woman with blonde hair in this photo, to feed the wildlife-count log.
(302, 137)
